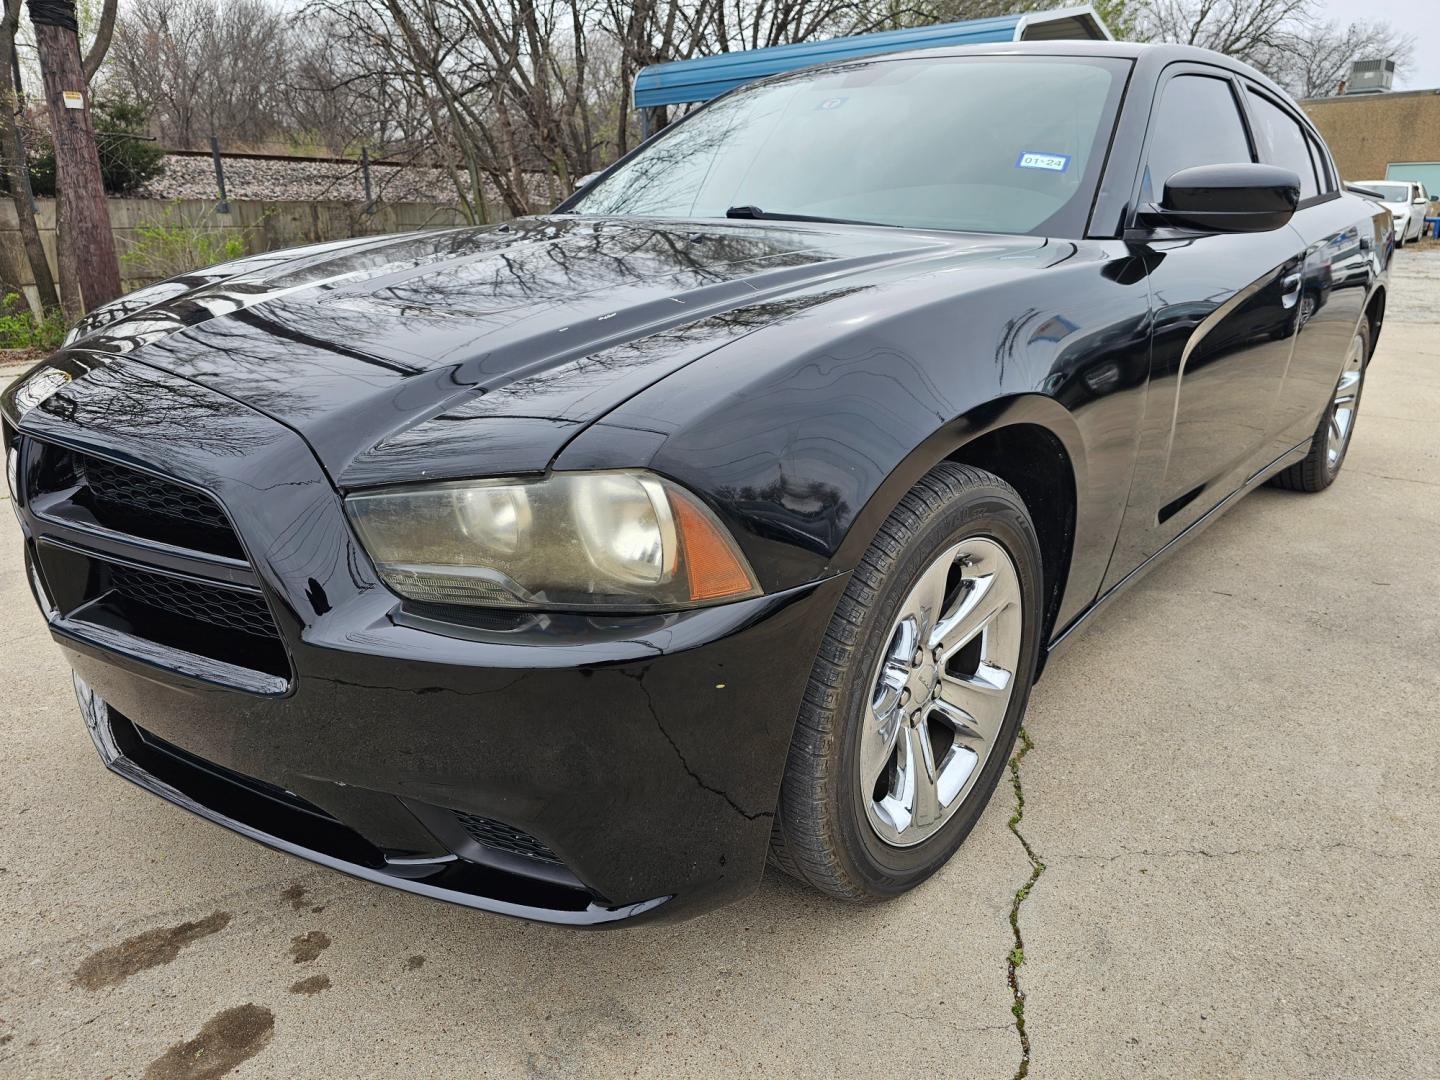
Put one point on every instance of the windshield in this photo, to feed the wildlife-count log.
(989, 144)
(1389, 192)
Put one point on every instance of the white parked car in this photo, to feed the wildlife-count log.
(1407, 201)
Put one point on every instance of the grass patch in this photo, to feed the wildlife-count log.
(19, 329)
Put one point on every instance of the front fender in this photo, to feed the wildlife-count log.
(804, 435)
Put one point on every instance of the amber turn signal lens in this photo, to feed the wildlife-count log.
(713, 568)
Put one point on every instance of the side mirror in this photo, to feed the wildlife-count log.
(1244, 197)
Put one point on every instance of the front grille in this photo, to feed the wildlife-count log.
(501, 837)
(102, 533)
(114, 488)
(232, 609)
(87, 489)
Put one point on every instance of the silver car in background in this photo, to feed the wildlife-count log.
(1407, 201)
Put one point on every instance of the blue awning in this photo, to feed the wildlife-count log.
(684, 81)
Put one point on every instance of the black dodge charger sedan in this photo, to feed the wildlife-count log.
(571, 568)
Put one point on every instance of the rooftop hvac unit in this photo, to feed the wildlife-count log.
(1370, 76)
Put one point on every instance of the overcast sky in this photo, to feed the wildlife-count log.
(1413, 18)
(1407, 15)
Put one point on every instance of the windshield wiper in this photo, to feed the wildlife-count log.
(755, 213)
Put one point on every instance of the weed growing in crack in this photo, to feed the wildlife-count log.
(1037, 867)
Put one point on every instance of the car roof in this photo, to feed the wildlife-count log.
(1156, 54)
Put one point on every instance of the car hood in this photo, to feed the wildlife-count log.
(484, 350)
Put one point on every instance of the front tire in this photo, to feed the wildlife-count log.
(1318, 469)
(917, 692)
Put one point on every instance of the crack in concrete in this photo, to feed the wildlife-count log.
(1037, 867)
(1398, 479)
(1178, 853)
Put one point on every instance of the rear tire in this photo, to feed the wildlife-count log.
(1331, 441)
(917, 693)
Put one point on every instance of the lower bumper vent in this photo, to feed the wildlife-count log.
(232, 609)
(501, 837)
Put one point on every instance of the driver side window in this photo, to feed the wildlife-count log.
(1196, 123)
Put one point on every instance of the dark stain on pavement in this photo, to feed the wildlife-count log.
(295, 894)
(112, 966)
(226, 1040)
(313, 985)
(415, 963)
(306, 947)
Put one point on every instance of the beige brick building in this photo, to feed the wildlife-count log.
(1369, 133)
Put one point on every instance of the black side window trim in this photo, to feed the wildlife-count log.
(1332, 182)
(1326, 179)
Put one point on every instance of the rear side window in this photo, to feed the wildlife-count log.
(1289, 148)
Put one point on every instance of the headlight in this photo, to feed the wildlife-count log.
(598, 541)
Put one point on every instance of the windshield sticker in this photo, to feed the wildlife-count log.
(831, 103)
(1034, 159)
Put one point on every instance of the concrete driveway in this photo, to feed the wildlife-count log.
(1232, 790)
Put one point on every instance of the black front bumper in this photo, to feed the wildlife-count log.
(629, 766)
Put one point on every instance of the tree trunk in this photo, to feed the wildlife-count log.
(25, 210)
(104, 31)
(11, 281)
(84, 240)
(13, 161)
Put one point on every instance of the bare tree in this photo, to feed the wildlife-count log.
(1244, 29)
(1288, 40)
(203, 67)
(1311, 60)
(523, 97)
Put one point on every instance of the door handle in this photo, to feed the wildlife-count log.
(1290, 289)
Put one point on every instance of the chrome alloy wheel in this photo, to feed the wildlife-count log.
(941, 691)
(1347, 400)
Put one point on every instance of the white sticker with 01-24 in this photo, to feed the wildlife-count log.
(1033, 159)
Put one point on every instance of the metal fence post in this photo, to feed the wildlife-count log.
(224, 205)
(365, 175)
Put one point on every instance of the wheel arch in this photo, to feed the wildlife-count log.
(1032, 443)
